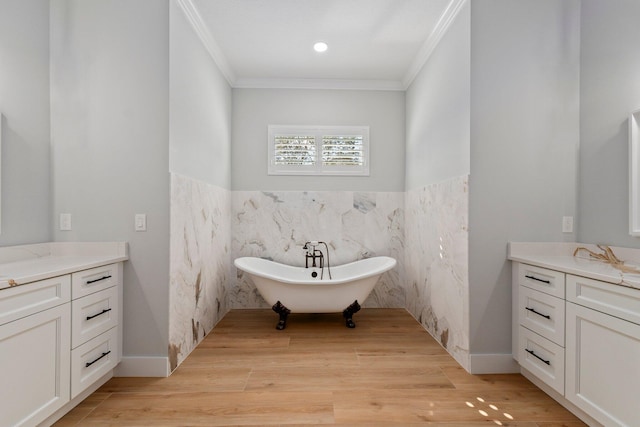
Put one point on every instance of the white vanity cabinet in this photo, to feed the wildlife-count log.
(95, 309)
(60, 339)
(35, 338)
(579, 339)
(540, 314)
(603, 350)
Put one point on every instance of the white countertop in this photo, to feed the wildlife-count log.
(24, 264)
(559, 256)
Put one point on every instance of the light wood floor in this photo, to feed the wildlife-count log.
(386, 372)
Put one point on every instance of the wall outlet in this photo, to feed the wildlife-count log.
(567, 224)
(65, 222)
(141, 222)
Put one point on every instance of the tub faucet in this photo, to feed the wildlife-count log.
(313, 254)
(316, 254)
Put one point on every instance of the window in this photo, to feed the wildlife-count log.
(318, 150)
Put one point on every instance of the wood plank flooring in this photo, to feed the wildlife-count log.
(388, 371)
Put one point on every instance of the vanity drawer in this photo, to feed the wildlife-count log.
(542, 279)
(92, 360)
(610, 298)
(93, 315)
(93, 280)
(24, 300)
(543, 358)
(543, 314)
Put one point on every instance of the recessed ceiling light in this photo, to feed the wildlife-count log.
(320, 47)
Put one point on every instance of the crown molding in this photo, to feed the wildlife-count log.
(195, 19)
(445, 21)
(337, 84)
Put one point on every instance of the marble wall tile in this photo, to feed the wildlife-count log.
(436, 262)
(200, 262)
(425, 230)
(355, 225)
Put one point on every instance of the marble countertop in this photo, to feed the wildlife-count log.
(559, 256)
(24, 264)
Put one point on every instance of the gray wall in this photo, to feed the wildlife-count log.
(436, 209)
(24, 102)
(200, 147)
(200, 110)
(110, 145)
(255, 109)
(609, 91)
(438, 110)
(524, 145)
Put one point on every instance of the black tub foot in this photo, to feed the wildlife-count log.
(349, 312)
(283, 312)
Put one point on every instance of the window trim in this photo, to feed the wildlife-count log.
(317, 168)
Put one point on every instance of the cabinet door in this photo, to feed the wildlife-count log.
(35, 366)
(602, 366)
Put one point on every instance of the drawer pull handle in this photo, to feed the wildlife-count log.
(86, 365)
(106, 310)
(539, 280)
(531, 352)
(98, 280)
(533, 310)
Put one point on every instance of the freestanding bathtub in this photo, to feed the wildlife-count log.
(293, 289)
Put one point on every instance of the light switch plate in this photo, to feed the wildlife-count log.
(141, 222)
(567, 224)
(65, 222)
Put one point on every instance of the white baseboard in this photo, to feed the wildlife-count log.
(143, 367)
(493, 364)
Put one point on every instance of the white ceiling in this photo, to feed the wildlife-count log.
(378, 44)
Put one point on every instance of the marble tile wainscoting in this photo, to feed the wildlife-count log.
(425, 230)
(200, 265)
(436, 262)
(355, 225)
